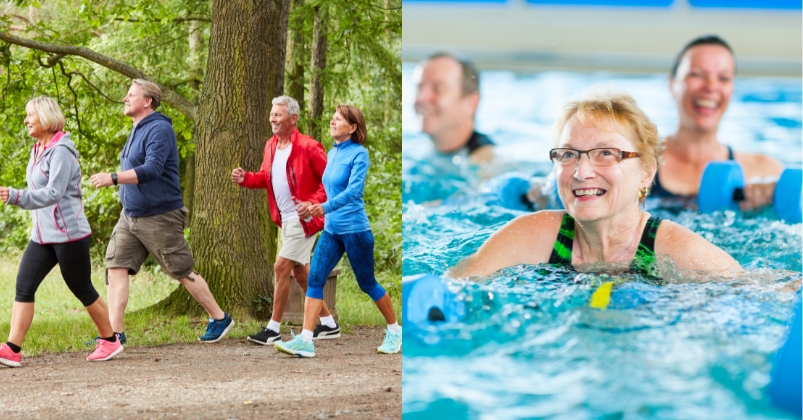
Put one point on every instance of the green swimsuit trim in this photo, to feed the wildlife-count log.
(643, 262)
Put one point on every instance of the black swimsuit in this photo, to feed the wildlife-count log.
(643, 262)
(476, 141)
(659, 191)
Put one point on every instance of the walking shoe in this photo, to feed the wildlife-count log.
(265, 337)
(391, 343)
(105, 350)
(8, 357)
(217, 329)
(322, 332)
(296, 347)
(120, 338)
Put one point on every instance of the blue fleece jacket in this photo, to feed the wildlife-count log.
(344, 182)
(151, 151)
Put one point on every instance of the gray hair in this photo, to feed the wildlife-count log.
(290, 103)
(150, 90)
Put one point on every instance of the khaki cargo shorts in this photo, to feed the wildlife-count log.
(296, 246)
(160, 235)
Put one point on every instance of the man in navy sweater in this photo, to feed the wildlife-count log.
(154, 216)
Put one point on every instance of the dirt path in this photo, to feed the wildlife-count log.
(232, 379)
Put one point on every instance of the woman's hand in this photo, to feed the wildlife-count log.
(316, 210)
(237, 175)
(4, 194)
(757, 195)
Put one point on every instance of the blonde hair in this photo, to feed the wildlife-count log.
(150, 90)
(50, 115)
(615, 111)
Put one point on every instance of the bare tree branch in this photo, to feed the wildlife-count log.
(168, 95)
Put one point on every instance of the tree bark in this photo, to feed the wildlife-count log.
(233, 240)
(296, 54)
(318, 65)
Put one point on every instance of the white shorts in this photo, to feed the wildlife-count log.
(296, 246)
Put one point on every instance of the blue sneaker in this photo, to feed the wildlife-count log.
(216, 329)
(120, 336)
(391, 344)
(296, 347)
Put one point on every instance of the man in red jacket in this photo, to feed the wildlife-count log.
(291, 172)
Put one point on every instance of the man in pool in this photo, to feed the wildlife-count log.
(446, 101)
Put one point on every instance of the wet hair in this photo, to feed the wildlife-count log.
(353, 115)
(470, 80)
(615, 111)
(290, 103)
(50, 116)
(700, 40)
(150, 90)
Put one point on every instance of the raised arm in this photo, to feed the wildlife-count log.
(526, 239)
(62, 165)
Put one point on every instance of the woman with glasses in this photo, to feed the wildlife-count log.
(607, 152)
(701, 81)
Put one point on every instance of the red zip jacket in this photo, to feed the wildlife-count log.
(305, 167)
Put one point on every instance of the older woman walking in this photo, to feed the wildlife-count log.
(346, 229)
(607, 152)
(60, 233)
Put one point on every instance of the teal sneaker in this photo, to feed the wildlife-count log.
(296, 347)
(391, 344)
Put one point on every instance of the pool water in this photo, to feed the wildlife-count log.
(530, 346)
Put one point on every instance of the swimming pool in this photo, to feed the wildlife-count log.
(530, 346)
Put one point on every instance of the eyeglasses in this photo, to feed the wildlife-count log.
(604, 156)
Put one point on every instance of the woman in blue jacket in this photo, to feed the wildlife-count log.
(346, 229)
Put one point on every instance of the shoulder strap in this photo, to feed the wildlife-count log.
(562, 250)
(644, 260)
(730, 153)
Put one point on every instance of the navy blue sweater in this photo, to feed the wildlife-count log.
(151, 151)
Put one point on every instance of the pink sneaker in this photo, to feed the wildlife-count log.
(105, 350)
(8, 357)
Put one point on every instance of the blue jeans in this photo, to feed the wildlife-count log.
(360, 249)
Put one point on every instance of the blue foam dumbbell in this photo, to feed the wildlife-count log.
(722, 187)
(786, 386)
(426, 299)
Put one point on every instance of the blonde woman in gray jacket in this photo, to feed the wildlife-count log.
(60, 233)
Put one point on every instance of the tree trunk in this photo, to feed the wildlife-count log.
(296, 54)
(318, 65)
(196, 46)
(233, 240)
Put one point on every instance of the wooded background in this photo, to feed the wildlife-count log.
(219, 64)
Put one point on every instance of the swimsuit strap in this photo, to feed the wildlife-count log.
(644, 260)
(730, 152)
(562, 250)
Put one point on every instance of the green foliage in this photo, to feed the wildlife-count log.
(154, 36)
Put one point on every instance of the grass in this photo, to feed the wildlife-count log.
(61, 323)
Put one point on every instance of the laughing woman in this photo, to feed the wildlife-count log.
(60, 234)
(346, 229)
(607, 152)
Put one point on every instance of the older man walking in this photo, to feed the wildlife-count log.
(291, 172)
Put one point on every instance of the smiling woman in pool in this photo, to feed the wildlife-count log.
(701, 82)
(607, 152)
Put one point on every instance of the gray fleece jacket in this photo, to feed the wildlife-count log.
(54, 193)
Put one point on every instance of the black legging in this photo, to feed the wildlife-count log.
(73, 260)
